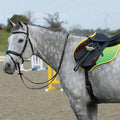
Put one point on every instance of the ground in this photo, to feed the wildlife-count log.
(19, 103)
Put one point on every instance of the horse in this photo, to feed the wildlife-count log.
(48, 44)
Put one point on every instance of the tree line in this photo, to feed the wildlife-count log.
(53, 22)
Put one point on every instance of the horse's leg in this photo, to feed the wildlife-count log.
(79, 108)
(84, 111)
(76, 90)
(92, 110)
(74, 86)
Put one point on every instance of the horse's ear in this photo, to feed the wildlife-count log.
(22, 25)
(11, 23)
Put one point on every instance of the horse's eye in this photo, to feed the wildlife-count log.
(20, 40)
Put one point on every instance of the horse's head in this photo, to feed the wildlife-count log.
(20, 47)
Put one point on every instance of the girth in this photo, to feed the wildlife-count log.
(89, 89)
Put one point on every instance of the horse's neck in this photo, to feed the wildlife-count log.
(48, 45)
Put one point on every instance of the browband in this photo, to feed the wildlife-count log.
(19, 32)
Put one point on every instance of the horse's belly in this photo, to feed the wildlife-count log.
(107, 95)
(106, 83)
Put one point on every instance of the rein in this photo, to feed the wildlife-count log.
(17, 65)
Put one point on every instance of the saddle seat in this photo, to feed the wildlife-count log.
(89, 50)
(100, 37)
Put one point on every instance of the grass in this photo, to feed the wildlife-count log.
(4, 40)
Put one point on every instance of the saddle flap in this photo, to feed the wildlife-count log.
(81, 46)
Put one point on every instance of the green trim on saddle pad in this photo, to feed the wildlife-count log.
(109, 55)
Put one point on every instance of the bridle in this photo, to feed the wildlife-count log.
(8, 52)
(17, 65)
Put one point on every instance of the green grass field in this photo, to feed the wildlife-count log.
(4, 40)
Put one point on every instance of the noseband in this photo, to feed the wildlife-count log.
(8, 52)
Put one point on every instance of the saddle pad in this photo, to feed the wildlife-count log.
(109, 54)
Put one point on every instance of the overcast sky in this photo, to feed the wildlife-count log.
(89, 14)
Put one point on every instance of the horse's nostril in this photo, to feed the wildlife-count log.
(8, 65)
(8, 68)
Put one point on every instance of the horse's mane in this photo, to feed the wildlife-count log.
(51, 29)
(17, 27)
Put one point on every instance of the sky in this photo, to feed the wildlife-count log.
(86, 14)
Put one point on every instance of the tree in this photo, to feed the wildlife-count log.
(53, 21)
(15, 18)
(30, 16)
(116, 32)
(78, 30)
(2, 26)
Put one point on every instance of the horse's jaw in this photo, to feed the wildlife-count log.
(8, 66)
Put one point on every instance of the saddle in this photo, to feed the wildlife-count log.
(89, 50)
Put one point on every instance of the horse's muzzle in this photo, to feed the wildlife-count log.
(8, 68)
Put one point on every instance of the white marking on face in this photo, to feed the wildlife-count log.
(10, 38)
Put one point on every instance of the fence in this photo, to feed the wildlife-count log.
(37, 64)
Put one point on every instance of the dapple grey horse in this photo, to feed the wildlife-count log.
(48, 45)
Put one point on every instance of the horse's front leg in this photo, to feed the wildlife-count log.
(82, 109)
(74, 86)
(77, 97)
